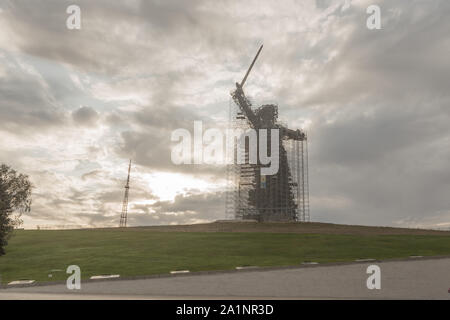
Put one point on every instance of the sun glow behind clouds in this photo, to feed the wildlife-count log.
(166, 185)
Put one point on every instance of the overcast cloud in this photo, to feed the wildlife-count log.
(75, 105)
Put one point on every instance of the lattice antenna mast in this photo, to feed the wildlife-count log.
(123, 216)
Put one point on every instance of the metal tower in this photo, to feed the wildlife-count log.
(123, 216)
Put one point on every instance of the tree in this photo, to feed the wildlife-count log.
(15, 197)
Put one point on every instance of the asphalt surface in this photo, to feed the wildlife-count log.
(413, 279)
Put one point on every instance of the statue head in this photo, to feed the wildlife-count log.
(268, 114)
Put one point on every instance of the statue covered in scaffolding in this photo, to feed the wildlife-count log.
(279, 197)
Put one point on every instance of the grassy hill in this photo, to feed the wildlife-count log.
(34, 254)
(289, 227)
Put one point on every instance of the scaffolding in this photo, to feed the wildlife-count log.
(283, 196)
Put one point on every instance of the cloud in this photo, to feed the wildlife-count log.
(192, 207)
(26, 101)
(375, 103)
(86, 116)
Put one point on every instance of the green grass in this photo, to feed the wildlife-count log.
(32, 254)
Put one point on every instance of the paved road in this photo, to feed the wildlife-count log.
(416, 279)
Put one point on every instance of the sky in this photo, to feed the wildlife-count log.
(76, 105)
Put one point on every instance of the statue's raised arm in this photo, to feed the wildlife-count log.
(241, 100)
